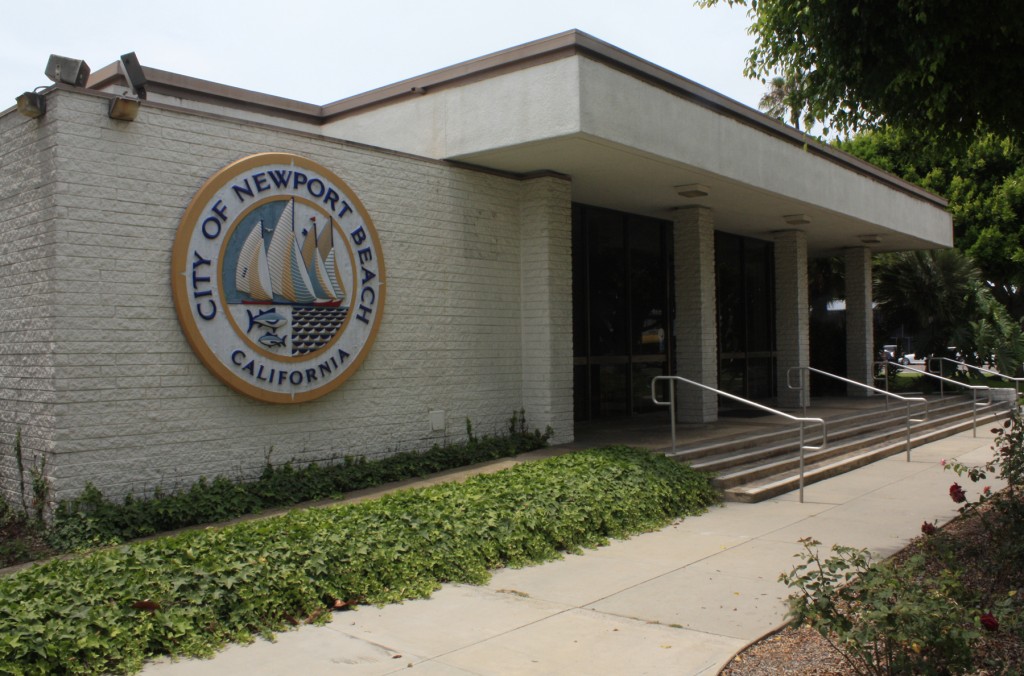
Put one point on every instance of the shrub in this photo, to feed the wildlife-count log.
(92, 519)
(1004, 520)
(188, 594)
(884, 619)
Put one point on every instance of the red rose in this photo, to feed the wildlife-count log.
(989, 621)
(957, 493)
(928, 528)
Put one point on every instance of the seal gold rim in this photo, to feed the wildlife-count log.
(180, 291)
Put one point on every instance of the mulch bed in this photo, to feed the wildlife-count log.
(801, 650)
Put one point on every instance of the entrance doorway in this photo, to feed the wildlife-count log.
(623, 313)
(622, 328)
(745, 278)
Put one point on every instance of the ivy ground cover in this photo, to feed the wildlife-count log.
(190, 594)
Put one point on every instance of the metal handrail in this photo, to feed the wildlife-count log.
(906, 400)
(942, 379)
(1015, 380)
(671, 403)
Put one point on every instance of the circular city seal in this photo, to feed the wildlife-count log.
(278, 278)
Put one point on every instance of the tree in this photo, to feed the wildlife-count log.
(931, 293)
(939, 65)
(776, 102)
(983, 180)
(940, 298)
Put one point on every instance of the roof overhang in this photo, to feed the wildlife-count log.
(626, 131)
(629, 132)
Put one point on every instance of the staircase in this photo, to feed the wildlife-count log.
(751, 468)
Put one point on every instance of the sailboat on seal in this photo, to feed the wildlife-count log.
(282, 273)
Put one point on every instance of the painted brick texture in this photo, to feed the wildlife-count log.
(696, 329)
(860, 342)
(28, 261)
(792, 321)
(95, 369)
(546, 271)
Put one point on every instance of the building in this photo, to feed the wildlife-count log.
(542, 228)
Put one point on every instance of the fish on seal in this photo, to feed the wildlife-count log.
(270, 319)
(273, 340)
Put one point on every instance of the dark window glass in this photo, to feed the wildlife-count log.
(744, 272)
(607, 279)
(622, 323)
(648, 288)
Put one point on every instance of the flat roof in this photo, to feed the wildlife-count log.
(571, 42)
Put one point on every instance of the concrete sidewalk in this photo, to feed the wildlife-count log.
(681, 600)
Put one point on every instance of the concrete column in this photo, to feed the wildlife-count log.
(696, 316)
(546, 308)
(860, 330)
(792, 334)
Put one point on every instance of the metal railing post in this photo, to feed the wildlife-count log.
(977, 369)
(672, 411)
(802, 421)
(974, 414)
(886, 392)
(908, 431)
(973, 388)
(801, 462)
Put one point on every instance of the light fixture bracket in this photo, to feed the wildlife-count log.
(692, 190)
(123, 108)
(32, 104)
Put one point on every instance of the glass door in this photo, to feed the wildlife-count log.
(621, 310)
(744, 270)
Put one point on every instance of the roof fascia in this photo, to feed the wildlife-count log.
(195, 89)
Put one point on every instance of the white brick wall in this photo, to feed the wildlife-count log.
(696, 330)
(860, 338)
(546, 269)
(28, 257)
(792, 327)
(104, 380)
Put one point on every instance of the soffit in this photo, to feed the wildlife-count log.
(607, 175)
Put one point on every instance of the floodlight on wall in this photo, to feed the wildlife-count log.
(123, 108)
(870, 239)
(692, 190)
(63, 70)
(32, 104)
(133, 71)
(796, 219)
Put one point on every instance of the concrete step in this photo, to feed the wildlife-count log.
(765, 444)
(740, 468)
(750, 468)
(819, 470)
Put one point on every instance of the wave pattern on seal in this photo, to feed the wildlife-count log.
(314, 326)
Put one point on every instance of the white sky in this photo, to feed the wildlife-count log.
(320, 51)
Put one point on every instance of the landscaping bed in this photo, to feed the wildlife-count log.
(802, 650)
(189, 594)
(91, 519)
(952, 602)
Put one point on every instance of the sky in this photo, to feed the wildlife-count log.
(319, 51)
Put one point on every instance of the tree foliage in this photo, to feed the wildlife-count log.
(930, 292)
(984, 183)
(940, 65)
(776, 102)
(940, 298)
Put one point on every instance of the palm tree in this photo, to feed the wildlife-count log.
(777, 102)
(940, 297)
(932, 293)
